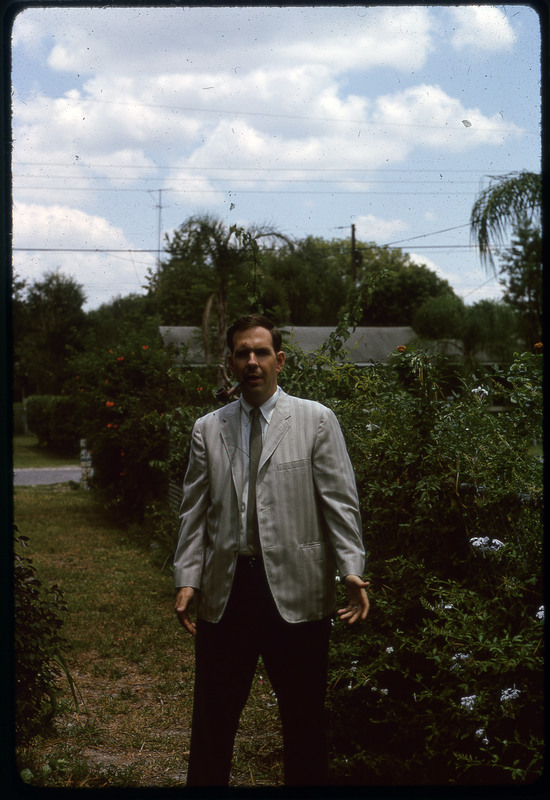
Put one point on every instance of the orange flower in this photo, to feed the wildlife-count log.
(538, 347)
(120, 358)
(401, 348)
(109, 404)
(146, 347)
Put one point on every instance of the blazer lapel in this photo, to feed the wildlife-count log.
(277, 428)
(231, 437)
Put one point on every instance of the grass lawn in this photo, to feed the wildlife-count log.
(132, 662)
(28, 453)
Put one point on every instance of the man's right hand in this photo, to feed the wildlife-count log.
(183, 601)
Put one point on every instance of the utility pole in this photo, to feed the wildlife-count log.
(353, 257)
(159, 226)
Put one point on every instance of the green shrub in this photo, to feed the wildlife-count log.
(126, 398)
(443, 683)
(54, 420)
(38, 647)
(19, 421)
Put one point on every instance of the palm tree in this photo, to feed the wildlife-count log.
(507, 200)
(225, 251)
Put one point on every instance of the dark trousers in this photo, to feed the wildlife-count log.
(295, 657)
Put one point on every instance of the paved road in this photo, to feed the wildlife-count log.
(46, 475)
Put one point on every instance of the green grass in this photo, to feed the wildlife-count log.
(27, 453)
(132, 662)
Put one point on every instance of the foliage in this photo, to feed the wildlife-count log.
(123, 393)
(53, 419)
(208, 269)
(521, 266)
(393, 287)
(507, 200)
(306, 283)
(111, 322)
(440, 317)
(443, 683)
(451, 653)
(39, 645)
(48, 320)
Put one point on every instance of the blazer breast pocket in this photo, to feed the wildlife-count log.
(300, 463)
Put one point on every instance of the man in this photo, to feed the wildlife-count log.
(261, 537)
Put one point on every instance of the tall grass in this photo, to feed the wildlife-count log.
(131, 660)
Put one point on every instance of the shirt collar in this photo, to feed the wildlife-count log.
(267, 408)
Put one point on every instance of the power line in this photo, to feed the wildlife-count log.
(233, 192)
(494, 173)
(196, 109)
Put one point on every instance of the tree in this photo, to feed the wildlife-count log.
(440, 317)
(394, 287)
(307, 283)
(111, 322)
(507, 200)
(50, 320)
(490, 327)
(208, 267)
(522, 267)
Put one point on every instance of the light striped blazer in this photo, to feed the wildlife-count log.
(308, 510)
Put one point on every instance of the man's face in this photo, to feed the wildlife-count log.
(255, 363)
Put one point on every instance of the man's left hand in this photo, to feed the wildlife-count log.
(358, 601)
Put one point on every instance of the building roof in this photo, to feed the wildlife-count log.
(364, 345)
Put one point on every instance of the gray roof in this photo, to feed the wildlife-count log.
(364, 345)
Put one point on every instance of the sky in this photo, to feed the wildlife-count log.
(307, 120)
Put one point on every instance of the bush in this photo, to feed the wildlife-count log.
(38, 646)
(443, 683)
(54, 420)
(125, 394)
(19, 420)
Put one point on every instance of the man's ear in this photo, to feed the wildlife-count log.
(280, 360)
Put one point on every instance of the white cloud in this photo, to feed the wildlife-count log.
(102, 275)
(373, 229)
(481, 28)
(428, 116)
(317, 110)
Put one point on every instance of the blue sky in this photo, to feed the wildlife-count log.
(304, 119)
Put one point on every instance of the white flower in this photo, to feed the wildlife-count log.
(484, 543)
(480, 392)
(540, 613)
(468, 702)
(458, 658)
(384, 692)
(389, 649)
(480, 733)
(509, 694)
(353, 667)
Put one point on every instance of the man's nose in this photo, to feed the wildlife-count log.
(252, 360)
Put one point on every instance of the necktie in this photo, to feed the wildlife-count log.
(254, 452)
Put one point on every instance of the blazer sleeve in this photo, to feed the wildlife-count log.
(337, 495)
(189, 557)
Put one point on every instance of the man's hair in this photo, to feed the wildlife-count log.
(254, 321)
